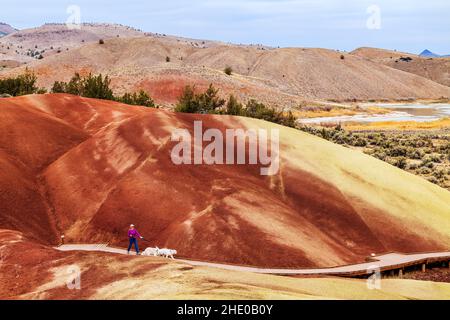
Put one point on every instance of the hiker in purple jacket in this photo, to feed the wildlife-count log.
(133, 235)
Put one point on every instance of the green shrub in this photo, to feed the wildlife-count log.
(401, 163)
(425, 171)
(138, 99)
(58, 87)
(234, 107)
(74, 86)
(254, 109)
(21, 85)
(143, 99)
(91, 87)
(98, 87)
(187, 102)
(433, 180)
(228, 70)
(360, 142)
(439, 174)
(288, 119)
(380, 155)
(207, 102)
(413, 166)
(398, 151)
(435, 158)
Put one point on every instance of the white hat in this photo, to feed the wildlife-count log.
(131, 225)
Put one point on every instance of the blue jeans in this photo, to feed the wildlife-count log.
(135, 242)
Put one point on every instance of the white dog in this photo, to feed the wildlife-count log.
(166, 253)
(151, 252)
(159, 252)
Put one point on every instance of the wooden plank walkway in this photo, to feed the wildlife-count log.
(385, 262)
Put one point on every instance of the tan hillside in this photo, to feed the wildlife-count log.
(6, 29)
(27, 45)
(279, 77)
(436, 69)
(88, 168)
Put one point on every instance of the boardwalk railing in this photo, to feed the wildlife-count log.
(390, 262)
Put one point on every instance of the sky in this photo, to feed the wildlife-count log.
(403, 25)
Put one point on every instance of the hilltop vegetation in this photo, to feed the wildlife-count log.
(209, 102)
(426, 154)
(98, 87)
(21, 85)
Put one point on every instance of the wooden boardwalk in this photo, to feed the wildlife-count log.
(382, 263)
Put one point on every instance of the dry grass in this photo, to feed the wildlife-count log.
(425, 153)
(312, 111)
(399, 125)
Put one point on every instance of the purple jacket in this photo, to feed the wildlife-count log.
(133, 233)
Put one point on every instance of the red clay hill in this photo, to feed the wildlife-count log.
(87, 168)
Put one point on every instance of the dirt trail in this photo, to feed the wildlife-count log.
(383, 262)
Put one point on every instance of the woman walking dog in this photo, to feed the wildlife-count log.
(133, 236)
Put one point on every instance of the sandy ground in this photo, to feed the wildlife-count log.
(400, 125)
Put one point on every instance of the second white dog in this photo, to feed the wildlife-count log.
(159, 252)
(166, 253)
(150, 252)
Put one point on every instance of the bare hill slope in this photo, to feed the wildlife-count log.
(280, 77)
(87, 169)
(29, 44)
(6, 29)
(436, 69)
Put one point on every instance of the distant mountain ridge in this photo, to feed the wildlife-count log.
(6, 29)
(435, 69)
(429, 54)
